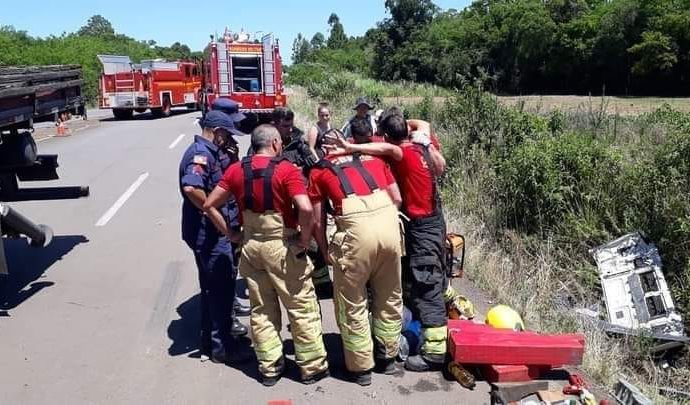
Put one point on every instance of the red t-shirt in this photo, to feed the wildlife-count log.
(287, 182)
(415, 181)
(323, 183)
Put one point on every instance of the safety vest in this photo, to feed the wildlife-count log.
(345, 185)
(266, 174)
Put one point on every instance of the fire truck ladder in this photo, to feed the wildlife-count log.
(124, 83)
(269, 67)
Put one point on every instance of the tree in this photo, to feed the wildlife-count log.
(300, 49)
(318, 41)
(654, 54)
(97, 26)
(337, 38)
(408, 16)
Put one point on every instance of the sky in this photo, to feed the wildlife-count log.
(191, 22)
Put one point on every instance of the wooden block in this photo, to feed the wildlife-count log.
(516, 348)
(551, 396)
(474, 327)
(509, 392)
(514, 373)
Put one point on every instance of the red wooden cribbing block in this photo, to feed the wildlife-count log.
(474, 327)
(515, 348)
(493, 373)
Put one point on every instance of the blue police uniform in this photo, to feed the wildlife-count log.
(202, 167)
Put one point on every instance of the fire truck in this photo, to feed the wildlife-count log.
(248, 71)
(156, 84)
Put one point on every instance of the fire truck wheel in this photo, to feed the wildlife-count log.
(122, 113)
(167, 107)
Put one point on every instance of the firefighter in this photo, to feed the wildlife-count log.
(298, 152)
(315, 135)
(363, 251)
(200, 171)
(268, 188)
(363, 108)
(416, 165)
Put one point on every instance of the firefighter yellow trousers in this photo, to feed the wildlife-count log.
(276, 273)
(366, 249)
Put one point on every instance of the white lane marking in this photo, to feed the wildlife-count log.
(176, 141)
(121, 201)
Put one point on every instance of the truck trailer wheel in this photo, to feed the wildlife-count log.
(122, 113)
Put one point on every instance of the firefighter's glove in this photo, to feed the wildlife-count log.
(421, 138)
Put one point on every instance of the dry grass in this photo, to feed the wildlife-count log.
(527, 277)
(622, 106)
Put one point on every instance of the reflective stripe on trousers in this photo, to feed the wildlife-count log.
(364, 250)
(275, 274)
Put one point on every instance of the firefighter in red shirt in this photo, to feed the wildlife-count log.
(416, 166)
(363, 251)
(268, 188)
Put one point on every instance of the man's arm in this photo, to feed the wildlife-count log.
(214, 201)
(305, 219)
(394, 192)
(320, 229)
(196, 195)
(376, 149)
(437, 160)
(312, 136)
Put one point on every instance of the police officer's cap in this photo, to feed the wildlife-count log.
(363, 101)
(219, 119)
(230, 107)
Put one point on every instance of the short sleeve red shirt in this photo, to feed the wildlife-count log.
(287, 182)
(415, 181)
(324, 184)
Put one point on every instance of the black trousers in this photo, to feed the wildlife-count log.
(423, 274)
(217, 282)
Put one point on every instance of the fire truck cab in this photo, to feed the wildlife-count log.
(247, 71)
(155, 84)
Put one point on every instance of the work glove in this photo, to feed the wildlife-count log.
(421, 138)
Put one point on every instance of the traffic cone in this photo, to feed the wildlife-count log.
(61, 129)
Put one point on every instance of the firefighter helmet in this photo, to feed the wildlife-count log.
(504, 317)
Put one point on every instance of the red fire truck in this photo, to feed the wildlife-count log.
(247, 71)
(156, 84)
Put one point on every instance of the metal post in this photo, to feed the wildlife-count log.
(3, 261)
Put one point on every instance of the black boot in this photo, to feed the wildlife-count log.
(428, 362)
(270, 381)
(238, 329)
(386, 366)
(362, 378)
(314, 378)
(240, 309)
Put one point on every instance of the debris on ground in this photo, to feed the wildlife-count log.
(628, 394)
(635, 290)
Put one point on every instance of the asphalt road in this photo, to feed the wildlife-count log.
(109, 312)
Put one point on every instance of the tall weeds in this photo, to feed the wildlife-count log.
(533, 193)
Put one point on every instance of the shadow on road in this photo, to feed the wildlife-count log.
(147, 116)
(184, 334)
(27, 265)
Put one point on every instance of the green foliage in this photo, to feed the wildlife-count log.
(96, 37)
(337, 38)
(300, 49)
(533, 46)
(97, 26)
(654, 53)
